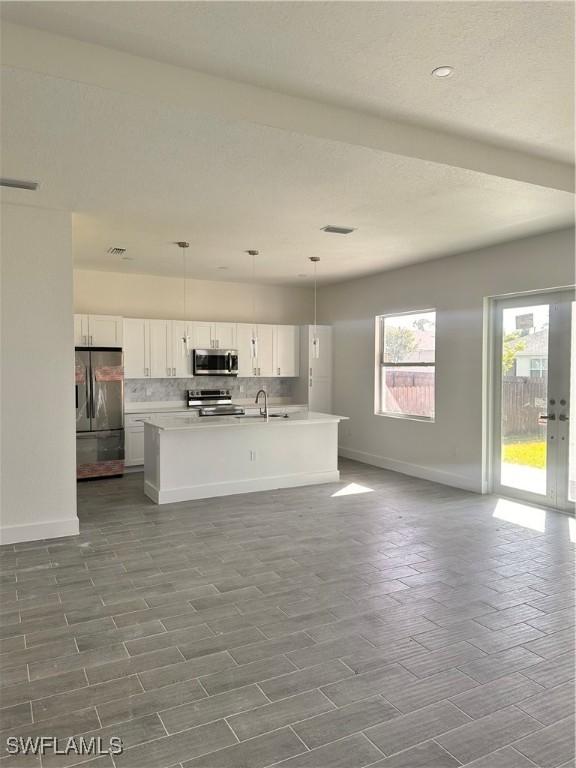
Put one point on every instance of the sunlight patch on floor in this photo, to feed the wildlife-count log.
(520, 514)
(352, 489)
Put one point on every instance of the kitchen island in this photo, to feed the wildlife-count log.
(188, 457)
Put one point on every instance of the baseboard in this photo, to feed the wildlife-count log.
(55, 529)
(251, 485)
(413, 470)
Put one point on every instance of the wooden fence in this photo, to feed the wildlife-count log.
(523, 400)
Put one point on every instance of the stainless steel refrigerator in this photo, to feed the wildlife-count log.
(99, 380)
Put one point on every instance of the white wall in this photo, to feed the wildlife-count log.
(38, 450)
(451, 449)
(138, 295)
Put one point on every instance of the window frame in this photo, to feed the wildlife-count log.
(381, 366)
(540, 369)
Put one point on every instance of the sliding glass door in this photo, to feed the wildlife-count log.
(534, 446)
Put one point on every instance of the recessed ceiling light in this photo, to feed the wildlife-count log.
(444, 71)
(337, 230)
(222, 267)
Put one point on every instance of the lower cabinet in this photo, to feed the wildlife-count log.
(134, 439)
(134, 446)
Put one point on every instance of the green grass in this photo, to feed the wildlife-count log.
(527, 454)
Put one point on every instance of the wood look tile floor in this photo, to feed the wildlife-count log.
(380, 621)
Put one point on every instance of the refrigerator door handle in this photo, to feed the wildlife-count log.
(92, 390)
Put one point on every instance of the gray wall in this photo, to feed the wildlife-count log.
(38, 448)
(451, 449)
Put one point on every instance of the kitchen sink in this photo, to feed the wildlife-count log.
(278, 415)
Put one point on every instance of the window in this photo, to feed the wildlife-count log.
(538, 367)
(406, 364)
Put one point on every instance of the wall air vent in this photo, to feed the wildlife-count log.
(337, 230)
(116, 251)
(19, 184)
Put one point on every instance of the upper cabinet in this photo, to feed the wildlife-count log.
(136, 348)
(265, 350)
(157, 349)
(286, 350)
(97, 331)
(181, 359)
(246, 346)
(214, 335)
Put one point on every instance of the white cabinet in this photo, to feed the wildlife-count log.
(134, 446)
(202, 335)
(246, 350)
(134, 439)
(154, 349)
(225, 335)
(159, 332)
(315, 382)
(286, 350)
(97, 331)
(181, 358)
(268, 350)
(214, 335)
(81, 333)
(136, 349)
(265, 350)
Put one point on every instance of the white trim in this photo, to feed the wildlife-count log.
(55, 529)
(413, 470)
(211, 490)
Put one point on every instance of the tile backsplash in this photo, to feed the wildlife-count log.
(141, 390)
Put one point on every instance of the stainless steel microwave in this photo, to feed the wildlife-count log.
(215, 362)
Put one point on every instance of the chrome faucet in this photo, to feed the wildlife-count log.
(265, 411)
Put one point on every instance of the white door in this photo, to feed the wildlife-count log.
(533, 447)
(246, 360)
(225, 335)
(203, 335)
(286, 350)
(105, 331)
(265, 350)
(81, 330)
(160, 344)
(181, 359)
(136, 349)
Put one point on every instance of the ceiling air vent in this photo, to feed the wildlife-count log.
(337, 230)
(116, 251)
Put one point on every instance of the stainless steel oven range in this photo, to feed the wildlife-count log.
(213, 402)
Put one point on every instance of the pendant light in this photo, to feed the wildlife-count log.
(254, 339)
(315, 339)
(183, 245)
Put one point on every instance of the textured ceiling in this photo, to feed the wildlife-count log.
(141, 173)
(514, 61)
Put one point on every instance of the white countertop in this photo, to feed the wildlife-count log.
(171, 422)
